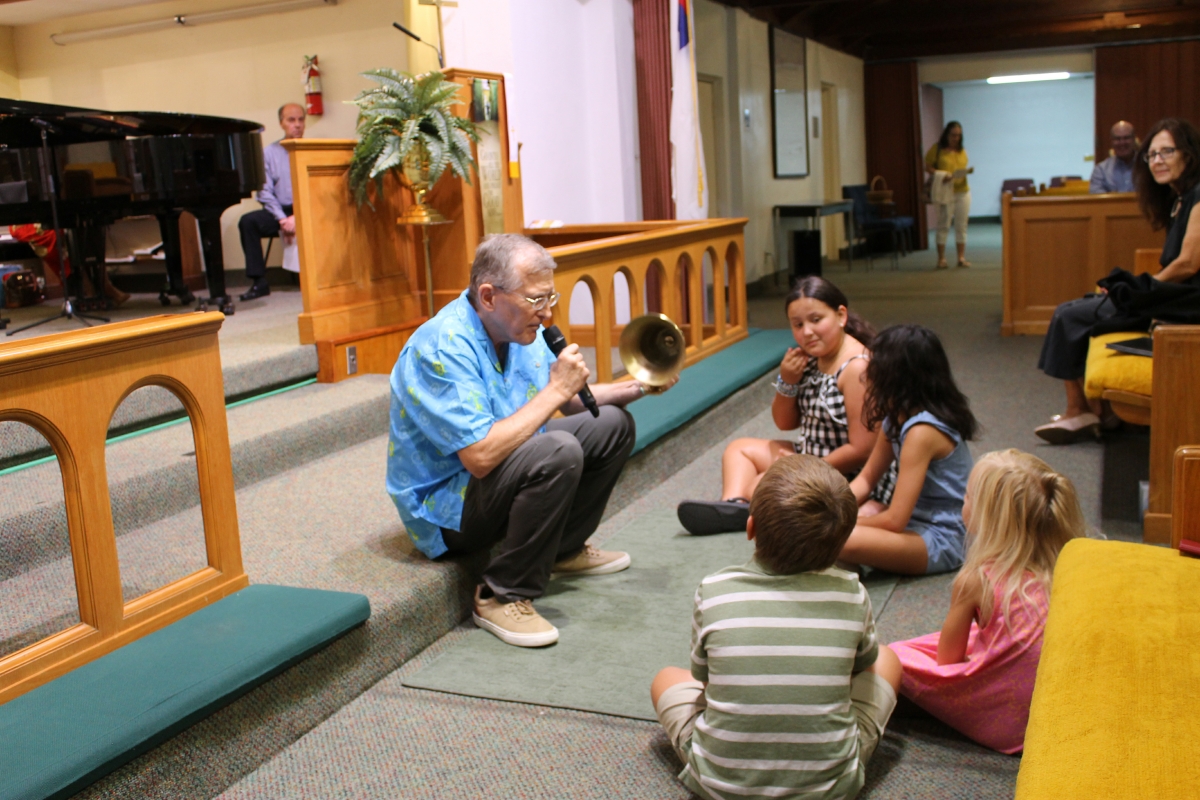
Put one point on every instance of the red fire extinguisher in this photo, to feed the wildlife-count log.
(311, 78)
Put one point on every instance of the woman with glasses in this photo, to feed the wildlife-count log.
(1166, 175)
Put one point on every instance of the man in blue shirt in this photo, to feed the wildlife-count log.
(475, 457)
(1115, 173)
(276, 198)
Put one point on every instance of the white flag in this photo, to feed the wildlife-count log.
(689, 184)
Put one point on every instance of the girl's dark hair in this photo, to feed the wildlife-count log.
(1155, 199)
(817, 288)
(944, 141)
(909, 373)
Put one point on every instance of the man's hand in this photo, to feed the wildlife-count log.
(288, 224)
(569, 373)
(792, 366)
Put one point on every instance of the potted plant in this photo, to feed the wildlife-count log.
(405, 126)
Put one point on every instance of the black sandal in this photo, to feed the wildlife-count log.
(706, 517)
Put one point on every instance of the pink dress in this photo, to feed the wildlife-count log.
(987, 696)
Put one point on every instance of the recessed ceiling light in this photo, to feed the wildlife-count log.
(1041, 76)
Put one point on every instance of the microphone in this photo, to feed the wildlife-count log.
(557, 343)
(407, 32)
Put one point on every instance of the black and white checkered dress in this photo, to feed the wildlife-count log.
(824, 426)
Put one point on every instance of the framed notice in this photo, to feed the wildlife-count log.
(485, 111)
(789, 104)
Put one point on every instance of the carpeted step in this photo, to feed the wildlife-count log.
(329, 524)
(153, 476)
(244, 377)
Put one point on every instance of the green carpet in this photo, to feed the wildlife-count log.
(62, 736)
(707, 383)
(615, 631)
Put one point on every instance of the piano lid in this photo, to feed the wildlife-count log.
(21, 124)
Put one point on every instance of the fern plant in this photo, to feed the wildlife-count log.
(404, 117)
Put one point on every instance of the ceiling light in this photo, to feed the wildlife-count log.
(187, 20)
(1041, 76)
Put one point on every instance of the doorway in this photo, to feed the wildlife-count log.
(709, 101)
(831, 227)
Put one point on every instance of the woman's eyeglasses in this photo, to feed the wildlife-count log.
(1166, 154)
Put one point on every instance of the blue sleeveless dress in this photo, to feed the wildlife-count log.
(937, 516)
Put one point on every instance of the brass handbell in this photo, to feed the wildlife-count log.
(653, 350)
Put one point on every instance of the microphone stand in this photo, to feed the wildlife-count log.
(68, 310)
(406, 31)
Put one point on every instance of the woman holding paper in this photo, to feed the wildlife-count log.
(946, 161)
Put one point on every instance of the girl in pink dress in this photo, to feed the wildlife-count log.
(976, 675)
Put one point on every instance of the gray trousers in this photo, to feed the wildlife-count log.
(544, 500)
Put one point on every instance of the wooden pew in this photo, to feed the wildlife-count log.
(1114, 700)
(1055, 248)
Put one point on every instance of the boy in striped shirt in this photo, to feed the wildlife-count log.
(789, 690)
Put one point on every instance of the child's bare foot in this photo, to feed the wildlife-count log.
(942, 264)
(962, 262)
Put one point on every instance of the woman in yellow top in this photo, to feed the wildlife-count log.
(949, 156)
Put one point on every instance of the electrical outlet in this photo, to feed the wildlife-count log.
(352, 360)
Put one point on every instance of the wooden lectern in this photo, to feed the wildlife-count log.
(362, 276)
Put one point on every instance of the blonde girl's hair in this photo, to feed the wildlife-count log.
(1022, 514)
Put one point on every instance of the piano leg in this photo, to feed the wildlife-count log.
(214, 259)
(168, 226)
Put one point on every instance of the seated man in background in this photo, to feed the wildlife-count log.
(1115, 173)
(474, 456)
(276, 198)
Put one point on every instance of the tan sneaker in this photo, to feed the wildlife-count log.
(513, 623)
(591, 561)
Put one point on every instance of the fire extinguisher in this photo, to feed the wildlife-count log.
(311, 78)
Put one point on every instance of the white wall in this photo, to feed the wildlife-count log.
(980, 66)
(1022, 130)
(734, 46)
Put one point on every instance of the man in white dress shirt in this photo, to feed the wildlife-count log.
(276, 198)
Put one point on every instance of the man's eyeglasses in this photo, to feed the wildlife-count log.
(540, 302)
(1166, 154)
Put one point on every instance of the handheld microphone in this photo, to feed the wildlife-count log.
(557, 343)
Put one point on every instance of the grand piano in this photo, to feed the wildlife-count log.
(107, 165)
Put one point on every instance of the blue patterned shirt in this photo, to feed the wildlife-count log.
(448, 389)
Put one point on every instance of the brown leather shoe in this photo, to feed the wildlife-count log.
(513, 623)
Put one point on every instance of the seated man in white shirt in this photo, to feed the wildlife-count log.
(276, 198)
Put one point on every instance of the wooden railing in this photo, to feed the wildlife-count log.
(67, 386)
(664, 268)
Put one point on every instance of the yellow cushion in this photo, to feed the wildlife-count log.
(1115, 705)
(1108, 369)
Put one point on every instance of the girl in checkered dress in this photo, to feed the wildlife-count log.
(819, 392)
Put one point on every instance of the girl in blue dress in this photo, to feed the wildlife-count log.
(927, 423)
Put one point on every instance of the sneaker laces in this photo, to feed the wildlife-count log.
(590, 552)
(519, 610)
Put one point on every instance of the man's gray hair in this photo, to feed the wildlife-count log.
(497, 259)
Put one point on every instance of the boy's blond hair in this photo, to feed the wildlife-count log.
(1022, 514)
(803, 513)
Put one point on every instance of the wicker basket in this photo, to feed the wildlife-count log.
(883, 195)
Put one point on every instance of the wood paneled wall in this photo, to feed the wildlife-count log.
(894, 137)
(652, 54)
(1144, 83)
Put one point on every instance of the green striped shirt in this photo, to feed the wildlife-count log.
(777, 653)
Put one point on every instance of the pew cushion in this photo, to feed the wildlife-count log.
(1108, 369)
(1114, 704)
(63, 735)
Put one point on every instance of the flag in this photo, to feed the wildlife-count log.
(689, 184)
